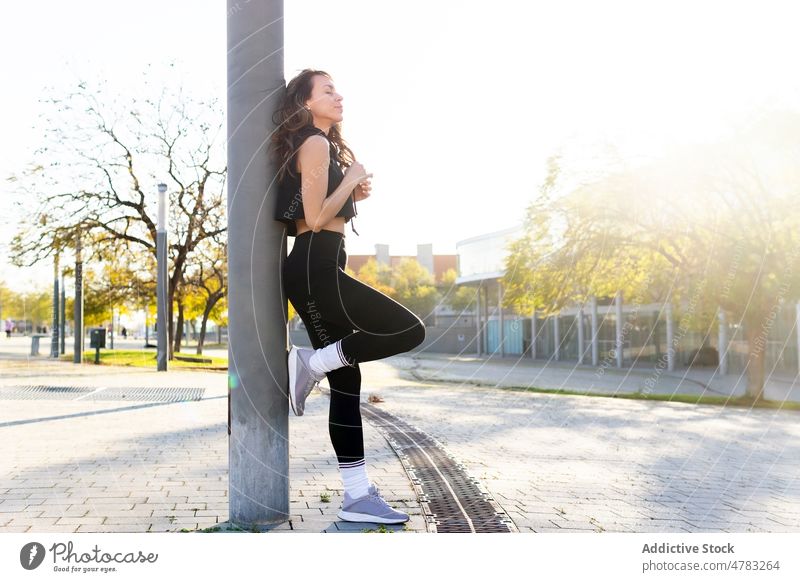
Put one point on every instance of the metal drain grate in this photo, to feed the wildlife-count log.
(453, 500)
(146, 394)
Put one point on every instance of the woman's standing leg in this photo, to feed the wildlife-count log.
(345, 425)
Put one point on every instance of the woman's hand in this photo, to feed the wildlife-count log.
(356, 174)
(363, 190)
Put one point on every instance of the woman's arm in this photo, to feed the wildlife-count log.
(313, 161)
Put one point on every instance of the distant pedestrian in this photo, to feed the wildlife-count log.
(124, 332)
(9, 327)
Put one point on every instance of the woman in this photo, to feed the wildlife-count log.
(347, 321)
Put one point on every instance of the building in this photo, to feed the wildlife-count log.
(481, 264)
(437, 265)
(607, 331)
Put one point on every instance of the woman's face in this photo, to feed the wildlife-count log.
(325, 102)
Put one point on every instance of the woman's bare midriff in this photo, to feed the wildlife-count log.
(336, 224)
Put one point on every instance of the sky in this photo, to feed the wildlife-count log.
(453, 107)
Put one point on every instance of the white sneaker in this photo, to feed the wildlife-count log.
(302, 379)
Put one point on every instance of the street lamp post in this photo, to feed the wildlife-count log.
(258, 404)
(56, 317)
(63, 312)
(161, 267)
(77, 356)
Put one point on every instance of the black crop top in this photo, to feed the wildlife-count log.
(289, 205)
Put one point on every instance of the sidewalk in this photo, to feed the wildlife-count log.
(606, 379)
(554, 463)
(86, 465)
(563, 463)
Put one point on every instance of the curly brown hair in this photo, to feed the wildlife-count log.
(292, 115)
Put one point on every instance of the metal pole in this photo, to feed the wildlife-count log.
(63, 311)
(579, 321)
(77, 355)
(161, 282)
(501, 318)
(670, 336)
(56, 316)
(722, 340)
(478, 321)
(533, 335)
(797, 332)
(485, 334)
(258, 403)
(556, 338)
(595, 339)
(619, 328)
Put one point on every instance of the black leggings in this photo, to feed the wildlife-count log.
(335, 306)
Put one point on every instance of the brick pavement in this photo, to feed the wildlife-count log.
(133, 467)
(562, 463)
(555, 463)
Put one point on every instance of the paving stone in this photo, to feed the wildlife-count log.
(618, 461)
(76, 521)
(113, 528)
(32, 521)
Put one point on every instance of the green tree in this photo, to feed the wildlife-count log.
(458, 297)
(706, 226)
(415, 287)
(208, 286)
(376, 275)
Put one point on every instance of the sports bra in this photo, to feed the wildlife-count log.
(289, 205)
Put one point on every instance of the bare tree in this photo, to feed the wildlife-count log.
(210, 278)
(100, 166)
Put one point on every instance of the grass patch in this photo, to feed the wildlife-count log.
(381, 529)
(147, 359)
(225, 528)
